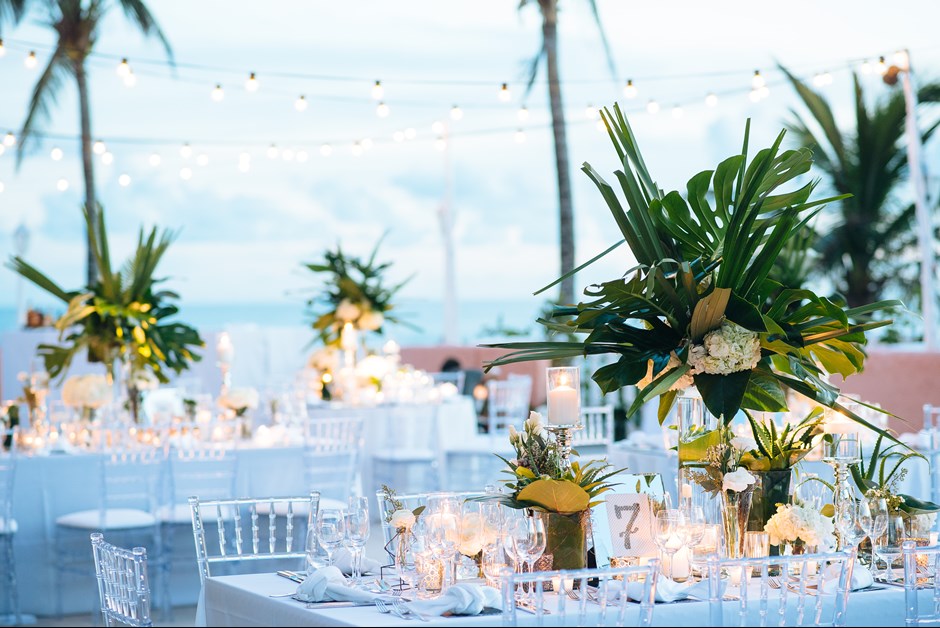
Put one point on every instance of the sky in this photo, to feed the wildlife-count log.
(243, 235)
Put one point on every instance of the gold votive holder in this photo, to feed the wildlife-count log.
(616, 562)
(921, 541)
(430, 574)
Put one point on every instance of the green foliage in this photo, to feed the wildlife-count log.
(122, 315)
(784, 448)
(882, 474)
(704, 258)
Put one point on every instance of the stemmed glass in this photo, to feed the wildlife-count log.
(494, 561)
(312, 548)
(873, 516)
(888, 545)
(694, 521)
(668, 533)
(331, 531)
(357, 533)
(536, 539)
(443, 536)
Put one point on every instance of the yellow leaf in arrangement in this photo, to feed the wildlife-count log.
(828, 510)
(697, 448)
(523, 472)
(139, 336)
(556, 496)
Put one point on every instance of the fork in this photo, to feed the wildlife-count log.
(388, 608)
(409, 613)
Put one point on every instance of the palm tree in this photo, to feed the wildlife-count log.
(76, 24)
(549, 52)
(862, 252)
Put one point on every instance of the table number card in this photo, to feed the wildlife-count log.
(630, 517)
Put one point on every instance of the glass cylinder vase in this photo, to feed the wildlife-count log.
(735, 511)
(698, 431)
(566, 539)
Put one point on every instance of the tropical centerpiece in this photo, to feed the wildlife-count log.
(122, 318)
(541, 481)
(800, 530)
(87, 394)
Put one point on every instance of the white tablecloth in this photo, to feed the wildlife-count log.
(244, 601)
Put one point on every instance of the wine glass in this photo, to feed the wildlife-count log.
(889, 544)
(331, 531)
(443, 535)
(357, 533)
(537, 540)
(694, 521)
(876, 521)
(312, 548)
(666, 534)
(494, 561)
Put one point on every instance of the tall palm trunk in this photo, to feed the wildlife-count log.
(565, 211)
(88, 164)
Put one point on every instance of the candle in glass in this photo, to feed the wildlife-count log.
(564, 395)
(225, 349)
(347, 338)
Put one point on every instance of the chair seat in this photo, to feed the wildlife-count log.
(8, 526)
(300, 508)
(114, 519)
(405, 455)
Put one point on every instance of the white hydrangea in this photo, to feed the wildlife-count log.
(325, 360)
(86, 391)
(347, 311)
(791, 522)
(728, 349)
(922, 524)
(682, 383)
(371, 320)
(239, 399)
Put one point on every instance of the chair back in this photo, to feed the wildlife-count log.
(245, 534)
(810, 590)
(920, 571)
(8, 439)
(408, 502)
(597, 427)
(508, 402)
(579, 603)
(332, 448)
(133, 478)
(205, 469)
(457, 378)
(123, 584)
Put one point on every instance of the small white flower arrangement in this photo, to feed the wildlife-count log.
(922, 524)
(738, 480)
(87, 393)
(402, 520)
(239, 400)
(791, 524)
(728, 349)
(325, 360)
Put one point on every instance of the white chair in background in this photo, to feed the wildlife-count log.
(457, 378)
(123, 583)
(332, 450)
(597, 431)
(408, 457)
(508, 403)
(582, 604)
(914, 575)
(11, 609)
(932, 430)
(818, 596)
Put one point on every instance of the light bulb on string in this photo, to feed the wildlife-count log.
(519, 136)
(398, 136)
(31, 62)
(302, 156)
(124, 180)
(504, 94)
(99, 148)
(252, 83)
(902, 60)
(677, 111)
(378, 92)
(754, 95)
(590, 112)
(244, 156)
(818, 80)
(155, 159)
(827, 78)
(522, 114)
(123, 68)
(757, 81)
(287, 154)
(382, 110)
(652, 107)
(107, 159)
(437, 127)
(711, 99)
(186, 173)
(202, 159)
(600, 125)
(356, 149)
(9, 139)
(56, 154)
(130, 79)
(301, 103)
(272, 152)
(326, 150)
(218, 94)
(186, 151)
(440, 144)
(630, 90)
(881, 66)
(456, 113)
(865, 67)
(411, 133)
(62, 185)
(244, 165)
(763, 92)
(366, 143)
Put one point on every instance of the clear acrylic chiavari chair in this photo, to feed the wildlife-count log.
(508, 403)
(810, 590)
(123, 583)
(921, 565)
(248, 536)
(574, 599)
(332, 450)
(11, 609)
(597, 430)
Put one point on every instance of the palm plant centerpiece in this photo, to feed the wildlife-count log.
(701, 307)
(121, 317)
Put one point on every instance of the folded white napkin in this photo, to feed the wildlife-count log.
(463, 598)
(342, 558)
(861, 578)
(668, 590)
(329, 585)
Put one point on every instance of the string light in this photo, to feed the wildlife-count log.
(130, 79)
(123, 68)
(356, 149)
(504, 94)
(107, 159)
(763, 92)
(398, 136)
(186, 151)
(124, 180)
(590, 112)
(272, 152)
(677, 111)
(652, 107)
(31, 62)
(411, 133)
(630, 90)
(9, 139)
(56, 154)
(99, 148)
(202, 159)
(252, 83)
(519, 136)
(302, 156)
(244, 162)
(711, 100)
(287, 154)
(301, 103)
(382, 110)
(522, 114)
(600, 125)
(437, 127)
(62, 185)
(186, 173)
(218, 94)
(154, 159)
(367, 144)
(378, 92)
(902, 60)
(866, 67)
(326, 150)
(456, 113)
(881, 67)
(757, 81)
(754, 95)
(440, 144)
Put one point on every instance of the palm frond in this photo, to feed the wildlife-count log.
(141, 15)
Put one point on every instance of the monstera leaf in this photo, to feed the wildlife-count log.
(559, 496)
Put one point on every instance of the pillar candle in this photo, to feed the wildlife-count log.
(563, 406)
(347, 338)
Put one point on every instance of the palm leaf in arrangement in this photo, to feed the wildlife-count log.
(706, 259)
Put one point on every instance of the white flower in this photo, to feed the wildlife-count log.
(374, 368)
(239, 399)
(142, 379)
(728, 349)
(744, 443)
(86, 391)
(513, 435)
(371, 320)
(402, 519)
(325, 360)
(922, 524)
(472, 534)
(533, 425)
(347, 311)
(682, 383)
(791, 522)
(738, 480)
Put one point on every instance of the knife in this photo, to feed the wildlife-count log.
(291, 575)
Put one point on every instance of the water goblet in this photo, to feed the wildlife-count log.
(666, 534)
(888, 545)
(331, 531)
(357, 533)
